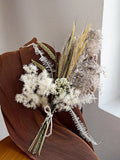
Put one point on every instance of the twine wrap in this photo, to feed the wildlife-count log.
(47, 110)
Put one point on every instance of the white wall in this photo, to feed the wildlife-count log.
(51, 22)
(110, 57)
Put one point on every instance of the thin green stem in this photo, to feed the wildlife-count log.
(43, 137)
(34, 141)
(66, 67)
(35, 149)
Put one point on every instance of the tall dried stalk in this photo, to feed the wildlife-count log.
(79, 47)
(65, 53)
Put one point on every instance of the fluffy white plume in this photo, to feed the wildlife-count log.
(36, 88)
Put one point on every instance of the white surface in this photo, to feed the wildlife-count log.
(51, 21)
(3, 129)
(113, 107)
(110, 58)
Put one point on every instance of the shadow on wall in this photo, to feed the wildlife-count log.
(106, 128)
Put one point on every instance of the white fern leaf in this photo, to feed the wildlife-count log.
(81, 128)
(47, 64)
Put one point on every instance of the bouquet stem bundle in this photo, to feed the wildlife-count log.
(36, 146)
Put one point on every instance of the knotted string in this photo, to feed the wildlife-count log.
(47, 110)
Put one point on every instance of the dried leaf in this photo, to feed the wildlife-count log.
(41, 67)
(46, 49)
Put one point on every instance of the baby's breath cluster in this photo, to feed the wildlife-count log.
(62, 85)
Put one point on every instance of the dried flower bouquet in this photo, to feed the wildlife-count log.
(72, 81)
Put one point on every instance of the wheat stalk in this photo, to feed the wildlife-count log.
(65, 54)
(79, 47)
(48, 51)
(38, 65)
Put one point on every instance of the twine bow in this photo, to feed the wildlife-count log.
(47, 110)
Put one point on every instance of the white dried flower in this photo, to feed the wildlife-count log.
(66, 101)
(31, 68)
(28, 100)
(36, 88)
(46, 85)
